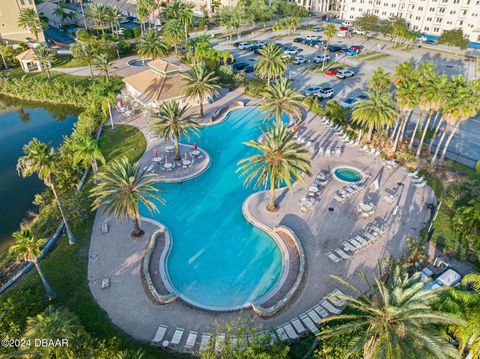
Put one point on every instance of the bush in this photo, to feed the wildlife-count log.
(136, 32)
(254, 87)
(83, 35)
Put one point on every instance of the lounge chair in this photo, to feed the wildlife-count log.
(160, 334)
(355, 243)
(338, 151)
(281, 334)
(348, 247)
(327, 152)
(105, 282)
(104, 228)
(368, 236)
(333, 257)
(219, 342)
(191, 339)
(330, 307)
(417, 179)
(420, 184)
(292, 334)
(314, 316)
(360, 240)
(309, 323)
(413, 174)
(320, 151)
(377, 229)
(321, 311)
(177, 337)
(337, 198)
(343, 254)
(205, 342)
(298, 326)
(335, 299)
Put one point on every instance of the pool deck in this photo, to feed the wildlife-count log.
(117, 256)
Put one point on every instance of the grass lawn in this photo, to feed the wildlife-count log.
(365, 54)
(68, 62)
(318, 67)
(376, 57)
(66, 266)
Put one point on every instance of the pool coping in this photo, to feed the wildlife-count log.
(363, 179)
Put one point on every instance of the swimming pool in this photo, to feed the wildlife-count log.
(218, 260)
(348, 174)
(138, 63)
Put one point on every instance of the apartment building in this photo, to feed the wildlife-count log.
(430, 17)
(9, 30)
(318, 6)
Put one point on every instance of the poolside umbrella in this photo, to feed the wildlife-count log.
(155, 153)
(195, 146)
(166, 158)
(121, 103)
(185, 156)
(295, 128)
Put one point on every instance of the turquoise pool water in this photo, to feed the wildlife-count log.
(348, 175)
(218, 259)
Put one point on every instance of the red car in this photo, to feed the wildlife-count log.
(355, 48)
(331, 72)
(344, 28)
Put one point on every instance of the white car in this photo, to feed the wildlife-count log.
(321, 58)
(347, 23)
(311, 37)
(287, 56)
(311, 90)
(325, 92)
(297, 60)
(343, 74)
(359, 32)
(291, 52)
(244, 45)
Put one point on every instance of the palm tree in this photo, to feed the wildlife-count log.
(186, 18)
(280, 98)
(152, 45)
(377, 111)
(98, 13)
(201, 84)
(87, 151)
(85, 51)
(396, 321)
(41, 158)
(329, 31)
(103, 64)
(28, 248)
(407, 94)
(174, 8)
(173, 32)
(107, 101)
(380, 80)
(281, 160)
(270, 63)
(33, 21)
(171, 121)
(45, 56)
(122, 186)
(80, 2)
(54, 323)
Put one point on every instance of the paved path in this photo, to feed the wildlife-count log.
(120, 68)
(117, 256)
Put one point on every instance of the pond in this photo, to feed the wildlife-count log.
(21, 121)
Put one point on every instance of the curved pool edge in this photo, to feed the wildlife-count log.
(192, 175)
(362, 173)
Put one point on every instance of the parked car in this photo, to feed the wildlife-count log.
(343, 74)
(349, 52)
(344, 28)
(331, 72)
(320, 44)
(286, 56)
(297, 60)
(325, 92)
(430, 42)
(347, 23)
(253, 47)
(291, 51)
(123, 20)
(356, 47)
(321, 58)
(311, 90)
(311, 37)
(318, 28)
(298, 39)
(344, 33)
(239, 66)
(349, 102)
(249, 68)
(243, 45)
(362, 96)
(237, 44)
(334, 48)
(359, 32)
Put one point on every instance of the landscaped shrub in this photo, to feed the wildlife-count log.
(254, 87)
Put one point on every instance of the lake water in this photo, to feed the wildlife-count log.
(20, 122)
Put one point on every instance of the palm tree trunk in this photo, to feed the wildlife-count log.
(177, 149)
(71, 237)
(137, 231)
(404, 125)
(110, 114)
(83, 16)
(48, 72)
(51, 294)
(186, 33)
(425, 130)
(430, 146)
(420, 117)
(399, 130)
(395, 126)
(271, 207)
(449, 139)
(434, 159)
(94, 166)
(91, 70)
(201, 108)
(370, 133)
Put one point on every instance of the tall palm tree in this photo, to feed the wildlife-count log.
(87, 52)
(87, 151)
(200, 84)
(41, 158)
(377, 111)
(396, 321)
(270, 63)
(45, 56)
(32, 21)
(173, 32)
(280, 98)
(152, 45)
(80, 2)
(98, 13)
(122, 186)
(281, 160)
(103, 64)
(53, 323)
(27, 247)
(402, 74)
(329, 31)
(380, 80)
(107, 101)
(407, 94)
(186, 18)
(173, 122)
(174, 8)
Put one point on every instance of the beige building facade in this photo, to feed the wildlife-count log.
(9, 30)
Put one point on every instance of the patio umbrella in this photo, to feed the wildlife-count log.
(155, 153)
(166, 158)
(295, 128)
(185, 156)
(195, 146)
(121, 103)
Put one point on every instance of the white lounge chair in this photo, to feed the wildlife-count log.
(330, 307)
(327, 152)
(361, 240)
(335, 299)
(160, 334)
(104, 228)
(191, 339)
(219, 342)
(413, 174)
(333, 257)
(292, 334)
(298, 326)
(337, 198)
(417, 179)
(281, 334)
(320, 151)
(343, 254)
(355, 243)
(420, 184)
(321, 311)
(314, 316)
(205, 342)
(177, 337)
(309, 323)
(338, 151)
(348, 247)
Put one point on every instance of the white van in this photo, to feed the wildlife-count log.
(347, 23)
(344, 33)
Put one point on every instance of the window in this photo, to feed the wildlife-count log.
(426, 28)
(22, 2)
(449, 23)
(420, 8)
(402, 6)
(438, 20)
(417, 18)
(452, 12)
(352, 8)
(436, 29)
(463, 13)
(429, 19)
(460, 23)
(432, 9)
(441, 10)
(384, 13)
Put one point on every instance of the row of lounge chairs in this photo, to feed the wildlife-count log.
(346, 192)
(357, 243)
(417, 181)
(311, 319)
(327, 151)
(309, 201)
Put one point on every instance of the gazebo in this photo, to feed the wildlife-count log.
(30, 62)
